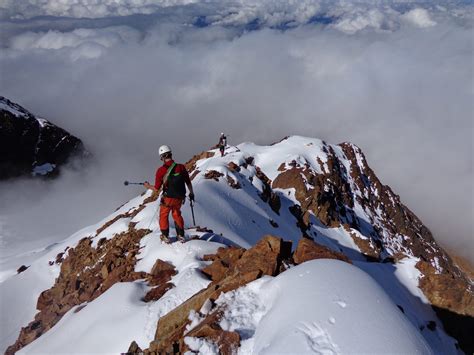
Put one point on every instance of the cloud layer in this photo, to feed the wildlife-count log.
(397, 83)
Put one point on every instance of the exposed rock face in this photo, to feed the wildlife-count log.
(32, 145)
(231, 268)
(227, 342)
(87, 271)
(191, 164)
(268, 195)
(212, 174)
(309, 250)
(342, 182)
(330, 194)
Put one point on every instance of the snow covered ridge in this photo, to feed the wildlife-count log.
(114, 286)
(32, 145)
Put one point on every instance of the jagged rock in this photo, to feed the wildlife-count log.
(232, 183)
(32, 145)
(331, 194)
(267, 194)
(233, 167)
(227, 342)
(216, 271)
(212, 174)
(161, 273)
(134, 349)
(309, 250)
(368, 246)
(157, 292)
(243, 266)
(191, 164)
(445, 290)
(160, 266)
(86, 273)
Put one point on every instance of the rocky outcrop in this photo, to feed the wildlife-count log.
(230, 269)
(227, 342)
(307, 250)
(88, 270)
(331, 192)
(212, 174)
(268, 195)
(191, 164)
(86, 273)
(234, 267)
(232, 183)
(30, 145)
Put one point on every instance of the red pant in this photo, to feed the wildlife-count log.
(173, 205)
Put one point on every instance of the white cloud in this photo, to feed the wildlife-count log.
(349, 16)
(372, 19)
(80, 43)
(403, 94)
(419, 17)
(84, 8)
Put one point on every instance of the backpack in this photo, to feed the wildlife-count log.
(174, 185)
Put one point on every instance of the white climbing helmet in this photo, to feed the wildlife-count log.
(164, 149)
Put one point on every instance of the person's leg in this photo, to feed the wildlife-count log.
(164, 223)
(177, 217)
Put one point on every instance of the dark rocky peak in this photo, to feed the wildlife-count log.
(30, 145)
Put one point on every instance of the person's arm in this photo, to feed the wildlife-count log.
(158, 181)
(149, 186)
(188, 183)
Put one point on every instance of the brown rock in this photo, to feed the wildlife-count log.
(229, 255)
(233, 167)
(232, 183)
(446, 290)
(263, 257)
(157, 292)
(241, 268)
(209, 328)
(86, 272)
(191, 164)
(134, 349)
(160, 266)
(213, 174)
(309, 250)
(163, 277)
(216, 271)
(209, 257)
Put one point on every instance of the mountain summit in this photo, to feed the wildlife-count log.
(254, 276)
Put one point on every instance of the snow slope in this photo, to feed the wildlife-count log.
(311, 309)
(111, 322)
(331, 298)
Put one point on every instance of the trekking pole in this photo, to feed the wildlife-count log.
(126, 183)
(192, 211)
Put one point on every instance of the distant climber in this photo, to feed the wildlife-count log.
(222, 143)
(173, 177)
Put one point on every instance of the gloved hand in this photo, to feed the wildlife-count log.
(191, 196)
